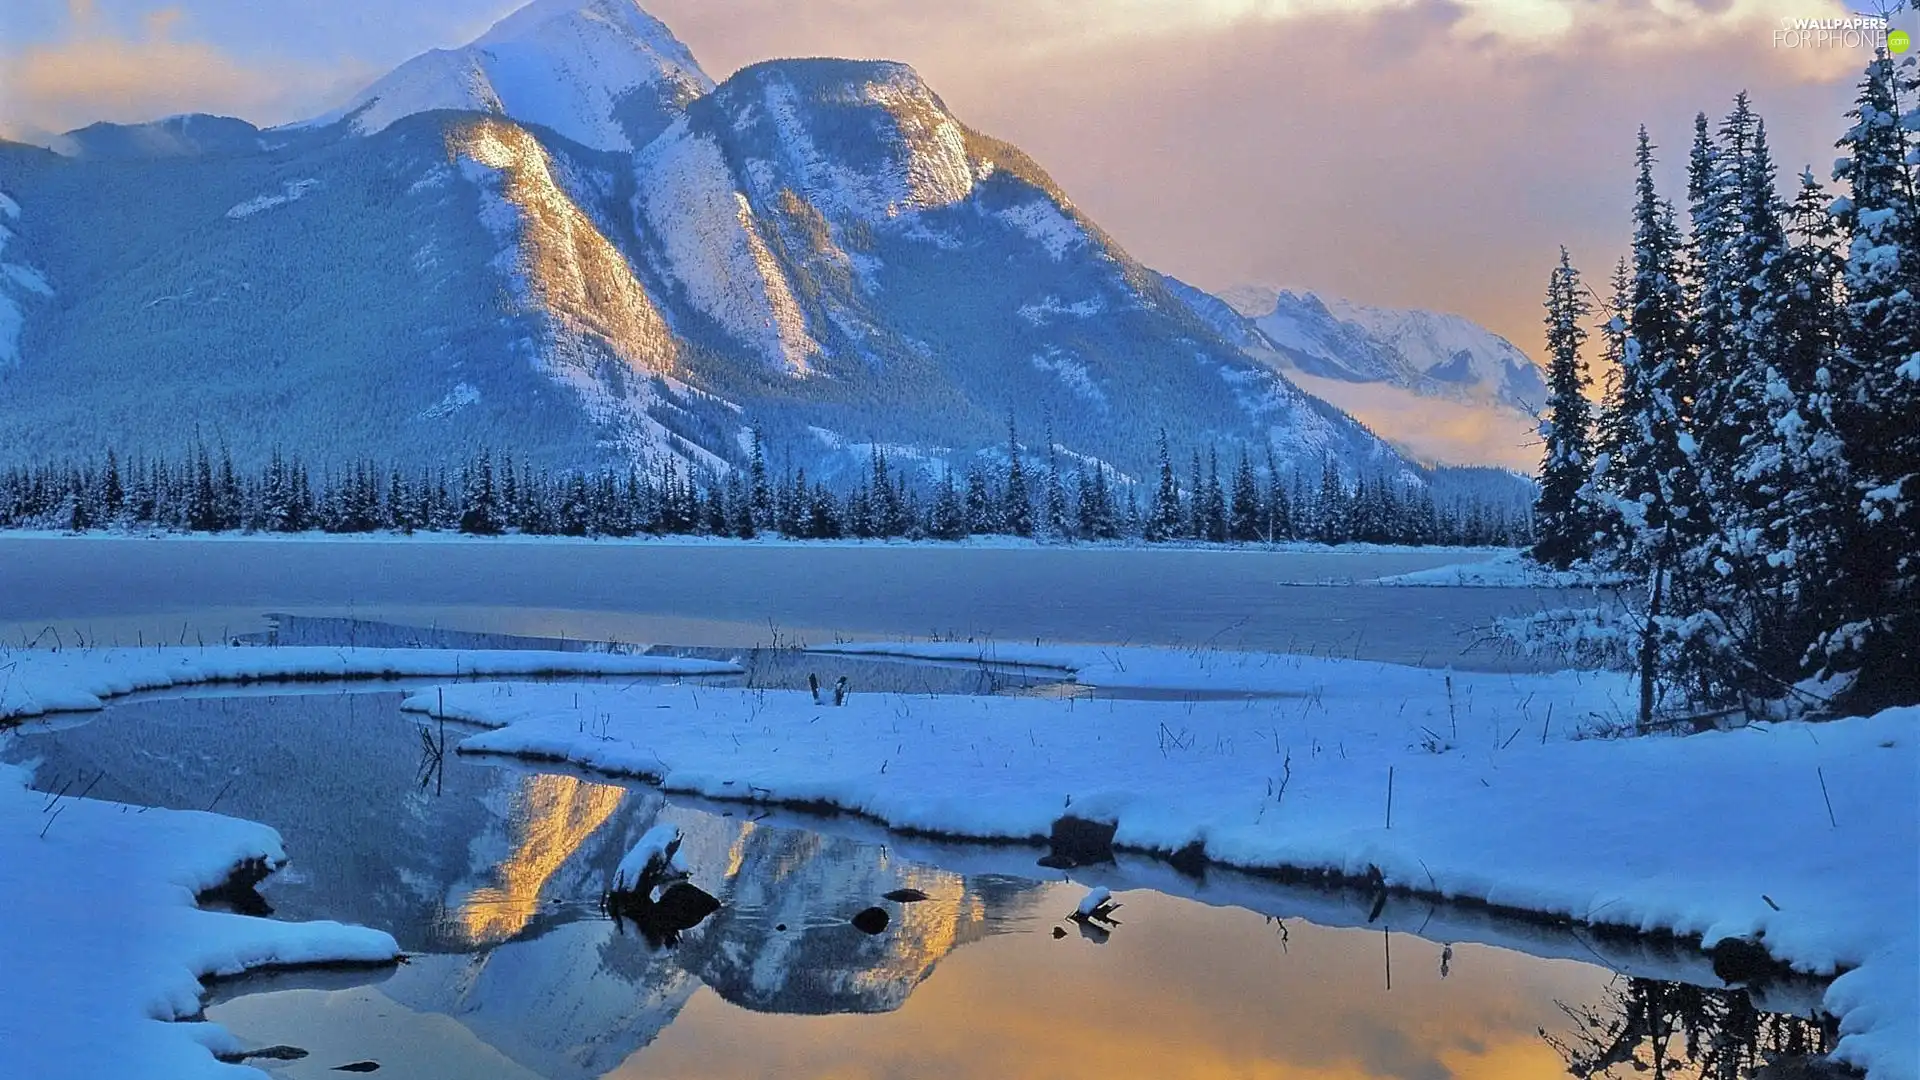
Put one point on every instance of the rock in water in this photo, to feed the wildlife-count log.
(1079, 842)
(655, 859)
(1739, 961)
(683, 906)
(871, 921)
(1097, 898)
(680, 907)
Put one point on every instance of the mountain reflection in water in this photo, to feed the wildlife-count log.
(492, 876)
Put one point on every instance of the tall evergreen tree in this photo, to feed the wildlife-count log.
(983, 518)
(1655, 478)
(1059, 524)
(1562, 513)
(1244, 527)
(1163, 519)
(760, 494)
(1876, 400)
(1016, 507)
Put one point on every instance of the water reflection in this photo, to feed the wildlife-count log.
(1675, 1030)
(551, 816)
(495, 882)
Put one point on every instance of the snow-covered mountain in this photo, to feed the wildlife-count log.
(565, 242)
(1439, 386)
(602, 73)
(1437, 354)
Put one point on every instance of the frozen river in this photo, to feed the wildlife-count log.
(129, 590)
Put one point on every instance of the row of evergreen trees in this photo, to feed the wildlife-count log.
(1755, 458)
(204, 492)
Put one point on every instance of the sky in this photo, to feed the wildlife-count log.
(1426, 153)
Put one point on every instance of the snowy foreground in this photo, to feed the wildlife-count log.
(102, 944)
(38, 681)
(1495, 797)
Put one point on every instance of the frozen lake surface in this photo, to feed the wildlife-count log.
(127, 590)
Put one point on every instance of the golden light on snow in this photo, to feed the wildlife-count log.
(566, 266)
(556, 814)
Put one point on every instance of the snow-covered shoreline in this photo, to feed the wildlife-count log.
(1502, 791)
(1508, 570)
(105, 948)
(991, 543)
(1492, 802)
(34, 682)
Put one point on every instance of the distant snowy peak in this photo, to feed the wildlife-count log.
(1430, 353)
(1453, 350)
(603, 73)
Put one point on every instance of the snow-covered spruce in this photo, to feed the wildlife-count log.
(1493, 801)
(104, 948)
(38, 681)
(1756, 466)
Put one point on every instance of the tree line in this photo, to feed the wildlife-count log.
(1033, 495)
(1753, 462)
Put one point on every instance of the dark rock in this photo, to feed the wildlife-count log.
(1079, 842)
(871, 921)
(906, 896)
(685, 905)
(358, 1066)
(240, 893)
(1737, 960)
(680, 908)
(1190, 860)
(780, 926)
(1059, 932)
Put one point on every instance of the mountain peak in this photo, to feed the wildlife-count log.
(623, 18)
(603, 73)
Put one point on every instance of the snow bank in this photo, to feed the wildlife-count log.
(1464, 704)
(103, 946)
(36, 681)
(1719, 835)
(1510, 571)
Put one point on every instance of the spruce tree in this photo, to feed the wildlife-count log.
(1016, 507)
(1652, 476)
(1163, 519)
(1561, 513)
(760, 495)
(1059, 525)
(1876, 400)
(982, 517)
(1244, 527)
